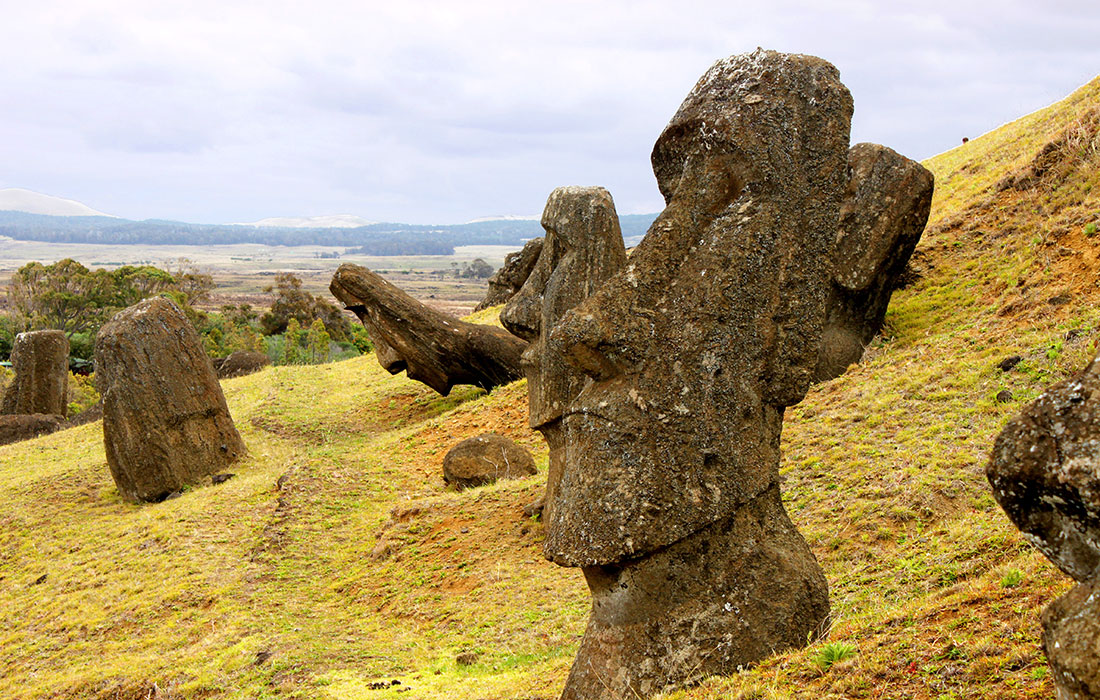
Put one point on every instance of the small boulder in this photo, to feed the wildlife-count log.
(41, 384)
(240, 363)
(482, 460)
(165, 421)
(512, 275)
(24, 427)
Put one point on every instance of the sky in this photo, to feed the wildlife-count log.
(217, 111)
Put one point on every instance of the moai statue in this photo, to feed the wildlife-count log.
(41, 384)
(512, 275)
(165, 421)
(431, 347)
(583, 247)
(882, 216)
(669, 500)
(1045, 473)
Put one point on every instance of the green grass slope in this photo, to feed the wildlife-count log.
(335, 562)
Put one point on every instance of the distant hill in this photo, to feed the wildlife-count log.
(330, 221)
(370, 239)
(17, 199)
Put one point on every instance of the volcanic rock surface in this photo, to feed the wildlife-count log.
(484, 459)
(1045, 473)
(511, 276)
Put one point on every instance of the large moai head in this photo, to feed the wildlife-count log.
(696, 347)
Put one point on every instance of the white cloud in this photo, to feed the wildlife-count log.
(441, 112)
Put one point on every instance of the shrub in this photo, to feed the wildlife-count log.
(833, 653)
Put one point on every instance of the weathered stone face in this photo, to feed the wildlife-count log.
(670, 498)
(484, 459)
(433, 348)
(713, 327)
(165, 421)
(512, 275)
(885, 209)
(583, 248)
(1045, 473)
(41, 384)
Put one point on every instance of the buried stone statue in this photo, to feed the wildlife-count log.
(669, 497)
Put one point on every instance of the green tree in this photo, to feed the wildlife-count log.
(291, 301)
(65, 296)
(292, 343)
(317, 342)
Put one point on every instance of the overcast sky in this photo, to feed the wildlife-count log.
(439, 112)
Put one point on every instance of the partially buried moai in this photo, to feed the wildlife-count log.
(882, 216)
(583, 248)
(165, 421)
(1045, 473)
(41, 384)
(669, 500)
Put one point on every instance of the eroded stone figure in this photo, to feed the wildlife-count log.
(1045, 473)
(431, 347)
(41, 383)
(583, 247)
(669, 500)
(165, 421)
(882, 216)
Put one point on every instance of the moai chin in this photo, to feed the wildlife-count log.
(669, 500)
(582, 248)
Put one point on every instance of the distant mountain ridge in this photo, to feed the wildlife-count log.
(372, 239)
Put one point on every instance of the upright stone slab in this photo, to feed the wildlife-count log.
(1045, 473)
(669, 499)
(434, 348)
(883, 214)
(512, 275)
(582, 249)
(41, 384)
(165, 421)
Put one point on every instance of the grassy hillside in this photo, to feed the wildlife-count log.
(335, 562)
